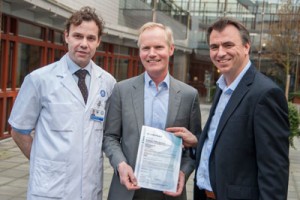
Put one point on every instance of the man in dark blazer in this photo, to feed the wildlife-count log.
(243, 150)
(155, 99)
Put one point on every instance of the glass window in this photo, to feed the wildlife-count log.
(3, 23)
(1, 61)
(50, 35)
(29, 59)
(118, 49)
(30, 30)
(99, 60)
(13, 26)
(140, 68)
(102, 47)
(121, 68)
(49, 56)
(58, 37)
(10, 64)
(58, 54)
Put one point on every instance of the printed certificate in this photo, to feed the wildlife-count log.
(158, 160)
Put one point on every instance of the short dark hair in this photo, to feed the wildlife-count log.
(85, 14)
(220, 25)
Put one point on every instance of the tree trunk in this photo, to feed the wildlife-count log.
(287, 86)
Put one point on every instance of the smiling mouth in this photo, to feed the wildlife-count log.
(81, 52)
(223, 61)
(153, 61)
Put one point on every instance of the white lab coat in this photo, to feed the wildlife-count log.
(66, 160)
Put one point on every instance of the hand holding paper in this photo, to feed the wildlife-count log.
(188, 138)
(127, 177)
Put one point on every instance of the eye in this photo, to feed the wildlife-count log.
(213, 47)
(145, 48)
(228, 45)
(91, 38)
(77, 36)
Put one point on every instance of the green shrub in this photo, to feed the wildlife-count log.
(294, 120)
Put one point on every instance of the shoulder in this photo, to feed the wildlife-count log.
(183, 87)
(45, 73)
(134, 81)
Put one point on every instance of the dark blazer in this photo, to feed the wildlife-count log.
(125, 118)
(249, 158)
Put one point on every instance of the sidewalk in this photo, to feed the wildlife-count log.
(14, 168)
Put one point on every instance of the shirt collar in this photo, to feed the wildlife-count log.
(73, 67)
(149, 82)
(222, 83)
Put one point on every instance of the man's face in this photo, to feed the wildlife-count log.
(82, 42)
(228, 53)
(155, 52)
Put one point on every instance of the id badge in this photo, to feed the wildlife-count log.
(98, 114)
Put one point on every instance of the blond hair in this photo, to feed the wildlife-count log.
(151, 25)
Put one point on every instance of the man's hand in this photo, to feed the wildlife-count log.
(180, 185)
(127, 177)
(188, 138)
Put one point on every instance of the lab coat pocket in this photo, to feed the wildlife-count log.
(48, 178)
(63, 116)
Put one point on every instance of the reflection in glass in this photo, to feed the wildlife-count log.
(10, 64)
(30, 30)
(58, 37)
(29, 59)
(1, 61)
(121, 68)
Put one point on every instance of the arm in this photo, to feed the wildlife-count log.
(24, 142)
(194, 126)
(113, 130)
(271, 129)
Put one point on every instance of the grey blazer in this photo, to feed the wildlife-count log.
(125, 118)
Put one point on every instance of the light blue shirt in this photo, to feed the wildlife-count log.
(72, 68)
(203, 181)
(156, 101)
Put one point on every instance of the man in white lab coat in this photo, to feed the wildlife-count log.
(66, 113)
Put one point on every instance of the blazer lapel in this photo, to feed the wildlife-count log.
(237, 96)
(138, 100)
(174, 102)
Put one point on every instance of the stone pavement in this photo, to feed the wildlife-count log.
(14, 169)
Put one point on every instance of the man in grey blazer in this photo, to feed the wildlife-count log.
(243, 149)
(155, 99)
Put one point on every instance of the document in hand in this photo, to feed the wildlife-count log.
(158, 160)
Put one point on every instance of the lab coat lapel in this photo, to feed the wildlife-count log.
(68, 81)
(138, 100)
(96, 83)
(174, 102)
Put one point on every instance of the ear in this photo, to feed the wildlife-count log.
(66, 35)
(171, 50)
(99, 42)
(247, 48)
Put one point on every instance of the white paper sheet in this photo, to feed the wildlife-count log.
(158, 160)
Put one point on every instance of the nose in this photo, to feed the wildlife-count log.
(83, 43)
(221, 51)
(152, 52)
